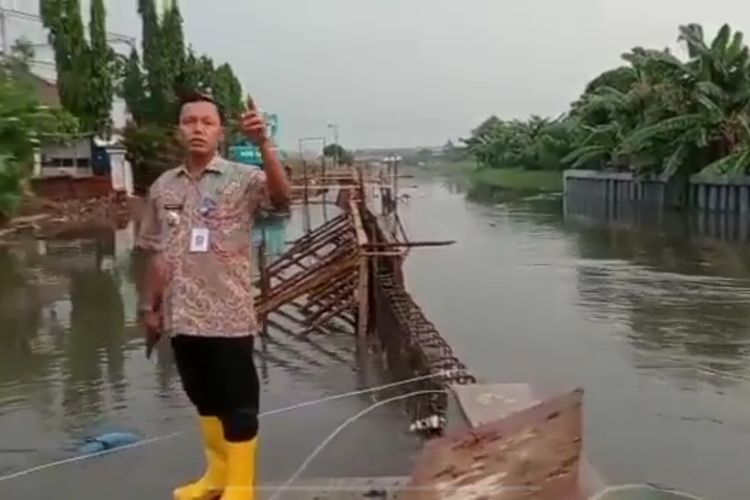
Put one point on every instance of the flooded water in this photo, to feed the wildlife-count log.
(648, 314)
(72, 366)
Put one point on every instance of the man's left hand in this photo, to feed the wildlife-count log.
(253, 126)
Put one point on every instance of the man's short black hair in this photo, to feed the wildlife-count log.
(187, 96)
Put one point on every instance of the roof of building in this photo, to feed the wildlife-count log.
(46, 89)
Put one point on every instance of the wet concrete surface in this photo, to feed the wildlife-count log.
(377, 445)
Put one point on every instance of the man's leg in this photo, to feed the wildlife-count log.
(240, 396)
(192, 356)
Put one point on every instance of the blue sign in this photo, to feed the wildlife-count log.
(248, 153)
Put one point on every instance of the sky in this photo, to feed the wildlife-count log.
(402, 73)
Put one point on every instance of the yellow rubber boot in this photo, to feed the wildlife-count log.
(214, 479)
(241, 468)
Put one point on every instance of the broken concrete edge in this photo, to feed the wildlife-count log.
(472, 406)
(535, 450)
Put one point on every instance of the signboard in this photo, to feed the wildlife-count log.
(248, 153)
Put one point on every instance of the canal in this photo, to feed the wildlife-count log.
(647, 315)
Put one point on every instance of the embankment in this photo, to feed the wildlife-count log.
(505, 178)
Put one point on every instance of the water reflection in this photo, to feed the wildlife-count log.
(680, 285)
(648, 312)
(71, 351)
(675, 286)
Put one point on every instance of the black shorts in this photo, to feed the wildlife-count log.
(218, 374)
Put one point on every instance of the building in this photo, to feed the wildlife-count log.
(80, 166)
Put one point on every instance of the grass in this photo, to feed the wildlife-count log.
(521, 180)
(508, 178)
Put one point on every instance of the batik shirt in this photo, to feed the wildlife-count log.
(210, 289)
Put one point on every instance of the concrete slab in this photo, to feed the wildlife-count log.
(482, 404)
(485, 403)
(377, 446)
(529, 454)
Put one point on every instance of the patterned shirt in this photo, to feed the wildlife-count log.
(210, 289)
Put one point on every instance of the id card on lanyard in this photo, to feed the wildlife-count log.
(200, 237)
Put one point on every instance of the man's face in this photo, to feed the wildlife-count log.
(200, 127)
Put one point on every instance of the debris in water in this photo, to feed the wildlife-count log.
(108, 441)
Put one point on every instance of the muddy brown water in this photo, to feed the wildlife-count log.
(649, 314)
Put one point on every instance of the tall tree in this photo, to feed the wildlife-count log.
(63, 20)
(227, 90)
(197, 72)
(156, 76)
(173, 42)
(84, 70)
(100, 82)
(133, 88)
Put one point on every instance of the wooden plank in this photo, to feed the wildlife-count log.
(359, 229)
(329, 316)
(410, 244)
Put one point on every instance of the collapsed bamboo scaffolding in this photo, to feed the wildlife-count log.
(324, 276)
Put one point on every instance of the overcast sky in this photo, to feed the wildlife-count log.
(419, 72)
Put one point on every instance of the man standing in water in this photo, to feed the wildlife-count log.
(197, 227)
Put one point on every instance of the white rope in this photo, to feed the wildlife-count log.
(85, 457)
(338, 430)
(630, 488)
(25, 472)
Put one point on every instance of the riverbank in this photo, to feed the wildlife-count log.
(46, 218)
(506, 178)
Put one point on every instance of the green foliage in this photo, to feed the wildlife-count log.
(24, 122)
(150, 83)
(339, 153)
(101, 60)
(656, 115)
(536, 144)
(133, 88)
(197, 72)
(89, 74)
(151, 149)
(227, 90)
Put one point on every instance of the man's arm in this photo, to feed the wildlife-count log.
(254, 128)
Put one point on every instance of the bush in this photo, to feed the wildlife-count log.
(151, 150)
